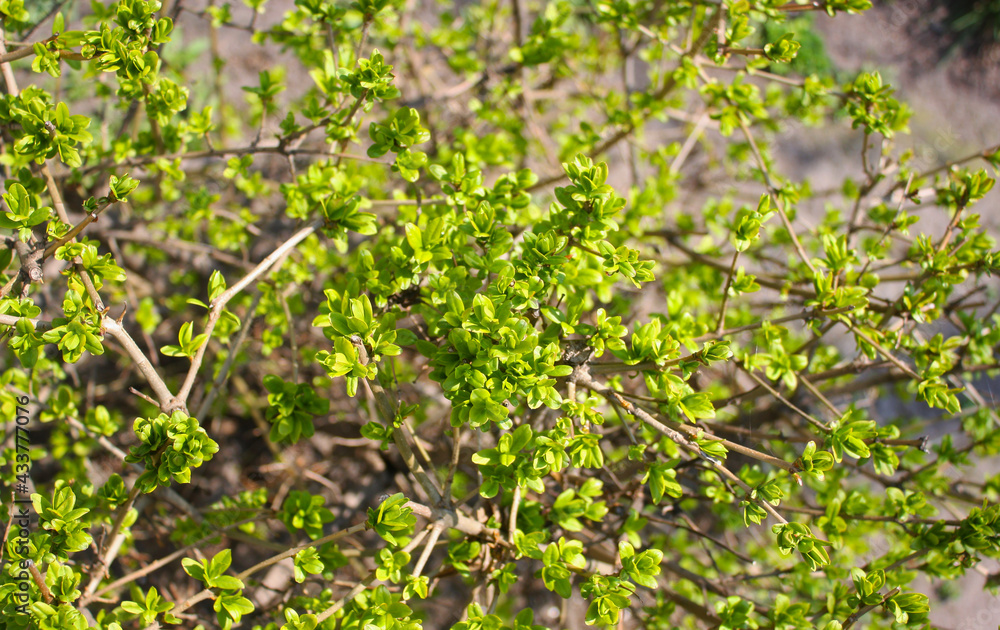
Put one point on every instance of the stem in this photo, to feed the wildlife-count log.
(27, 50)
(79, 227)
(725, 294)
(583, 378)
(219, 303)
(350, 119)
(278, 149)
(884, 352)
(50, 184)
(5, 69)
(819, 396)
(692, 138)
(387, 413)
(984, 154)
(806, 314)
(514, 504)
(748, 52)
(354, 592)
(777, 198)
(658, 96)
(207, 593)
(688, 525)
(850, 621)
(165, 560)
(763, 280)
(116, 538)
(456, 452)
(164, 397)
(815, 422)
(454, 520)
(428, 548)
(234, 350)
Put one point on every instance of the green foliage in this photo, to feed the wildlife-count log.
(797, 536)
(187, 345)
(170, 446)
(149, 607)
(392, 519)
(811, 57)
(291, 409)
(302, 510)
(60, 516)
(21, 213)
(576, 356)
(211, 573)
(871, 106)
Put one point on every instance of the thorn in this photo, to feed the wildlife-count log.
(122, 316)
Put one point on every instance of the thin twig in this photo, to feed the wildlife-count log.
(386, 410)
(806, 415)
(167, 559)
(207, 593)
(812, 313)
(778, 204)
(514, 504)
(432, 539)
(117, 537)
(219, 303)
(657, 97)
(583, 379)
(864, 610)
(164, 398)
(721, 323)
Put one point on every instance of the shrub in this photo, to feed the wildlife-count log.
(624, 369)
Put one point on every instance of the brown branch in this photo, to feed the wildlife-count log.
(777, 198)
(812, 313)
(31, 270)
(582, 377)
(658, 96)
(165, 560)
(453, 519)
(28, 50)
(278, 149)
(721, 324)
(947, 166)
(75, 231)
(864, 610)
(219, 303)
(884, 352)
(116, 538)
(115, 329)
(806, 415)
(386, 410)
(695, 433)
(207, 593)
